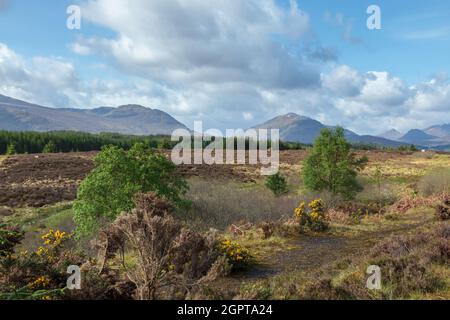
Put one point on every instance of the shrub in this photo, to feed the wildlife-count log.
(50, 147)
(169, 259)
(332, 166)
(443, 210)
(277, 183)
(435, 183)
(11, 149)
(223, 204)
(405, 261)
(314, 218)
(10, 236)
(255, 291)
(109, 189)
(40, 274)
(238, 256)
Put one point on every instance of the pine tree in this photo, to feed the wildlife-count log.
(332, 165)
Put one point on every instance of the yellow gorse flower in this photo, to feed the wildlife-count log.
(41, 282)
(300, 210)
(54, 238)
(235, 252)
(316, 211)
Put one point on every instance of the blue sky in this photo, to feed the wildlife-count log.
(235, 64)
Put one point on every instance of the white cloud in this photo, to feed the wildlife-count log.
(344, 81)
(41, 79)
(192, 41)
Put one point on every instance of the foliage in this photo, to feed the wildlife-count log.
(50, 147)
(332, 166)
(314, 218)
(411, 147)
(109, 189)
(167, 256)
(255, 291)
(10, 236)
(443, 210)
(277, 183)
(222, 204)
(40, 274)
(238, 256)
(10, 149)
(70, 141)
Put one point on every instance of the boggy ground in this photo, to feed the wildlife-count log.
(42, 179)
(306, 255)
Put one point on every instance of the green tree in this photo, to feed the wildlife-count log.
(50, 147)
(11, 149)
(332, 165)
(277, 183)
(110, 188)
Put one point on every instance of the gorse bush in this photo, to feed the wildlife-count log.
(332, 166)
(40, 274)
(238, 256)
(169, 259)
(118, 175)
(277, 183)
(314, 218)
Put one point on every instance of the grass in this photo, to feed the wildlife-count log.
(345, 278)
(28, 218)
(221, 205)
(36, 221)
(261, 248)
(380, 224)
(408, 167)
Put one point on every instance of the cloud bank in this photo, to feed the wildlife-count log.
(231, 64)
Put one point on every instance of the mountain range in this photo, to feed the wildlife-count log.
(17, 115)
(297, 128)
(435, 136)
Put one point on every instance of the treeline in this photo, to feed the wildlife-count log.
(69, 141)
(21, 142)
(372, 146)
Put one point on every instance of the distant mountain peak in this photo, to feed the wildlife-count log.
(392, 134)
(292, 115)
(133, 107)
(417, 134)
(441, 131)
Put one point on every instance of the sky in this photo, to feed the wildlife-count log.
(235, 63)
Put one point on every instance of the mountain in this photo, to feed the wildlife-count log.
(17, 115)
(417, 136)
(420, 137)
(294, 127)
(391, 135)
(440, 131)
(297, 128)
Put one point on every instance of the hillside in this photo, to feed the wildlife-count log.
(17, 115)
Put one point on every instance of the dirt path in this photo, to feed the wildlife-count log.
(309, 253)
